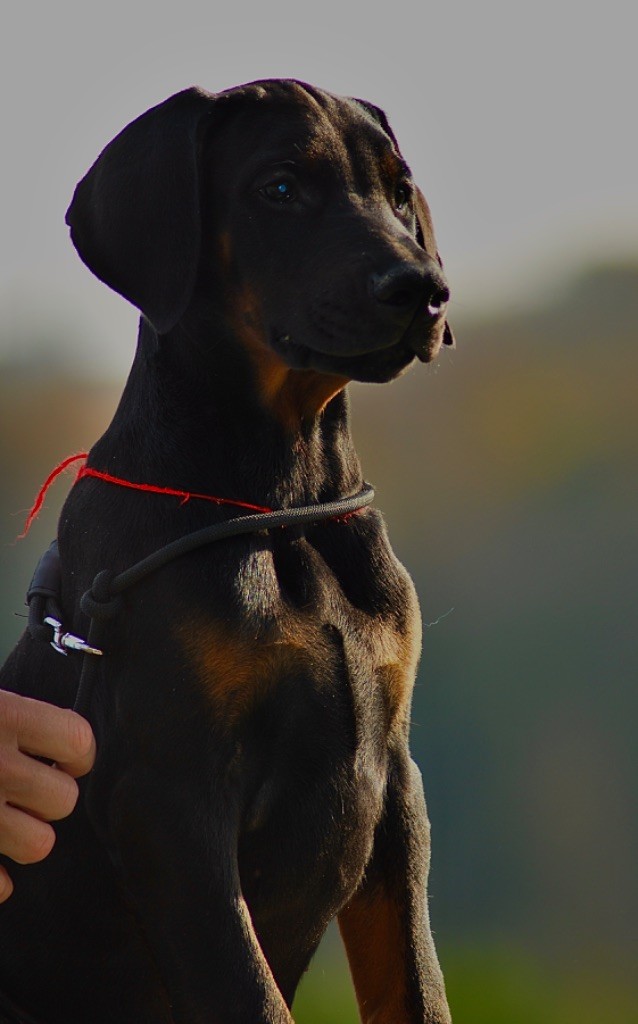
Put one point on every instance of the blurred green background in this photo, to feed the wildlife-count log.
(507, 472)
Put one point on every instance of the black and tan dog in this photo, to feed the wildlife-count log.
(253, 778)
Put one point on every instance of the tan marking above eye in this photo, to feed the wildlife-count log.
(390, 166)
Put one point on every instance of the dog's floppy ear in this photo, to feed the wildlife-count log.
(380, 117)
(135, 217)
(424, 226)
(425, 238)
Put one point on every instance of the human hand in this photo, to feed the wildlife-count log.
(32, 794)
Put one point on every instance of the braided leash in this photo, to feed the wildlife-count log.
(104, 600)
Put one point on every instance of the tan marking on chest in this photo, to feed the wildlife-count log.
(237, 672)
(397, 673)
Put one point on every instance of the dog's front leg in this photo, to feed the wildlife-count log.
(385, 926)
(178, 865)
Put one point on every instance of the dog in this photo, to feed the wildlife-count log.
(253, 779)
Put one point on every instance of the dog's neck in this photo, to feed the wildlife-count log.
(194, 416)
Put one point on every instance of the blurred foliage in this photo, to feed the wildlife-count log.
(507, 473)
(487, 983)
(326, 995)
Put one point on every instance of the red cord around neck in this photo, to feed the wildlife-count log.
(85, 471)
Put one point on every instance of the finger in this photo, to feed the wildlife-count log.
(82, 742)
(48, 731)
(6, 885)
(23, 838)
(40, 789)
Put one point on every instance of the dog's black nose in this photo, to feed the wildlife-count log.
(438, 299)
(404, 287)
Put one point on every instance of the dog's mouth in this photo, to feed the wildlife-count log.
(377, 366)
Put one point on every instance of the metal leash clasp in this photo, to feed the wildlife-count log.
(68, 640)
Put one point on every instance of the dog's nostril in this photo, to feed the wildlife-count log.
(438, 301)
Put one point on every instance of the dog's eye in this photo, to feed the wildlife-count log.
(402, 196)
(280, 191)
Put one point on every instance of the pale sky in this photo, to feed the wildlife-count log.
(518, 119)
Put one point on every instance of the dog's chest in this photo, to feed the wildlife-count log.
(317, 715)
(309, 685)
(286, 632)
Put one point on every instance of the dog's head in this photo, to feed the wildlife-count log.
(289, 208)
